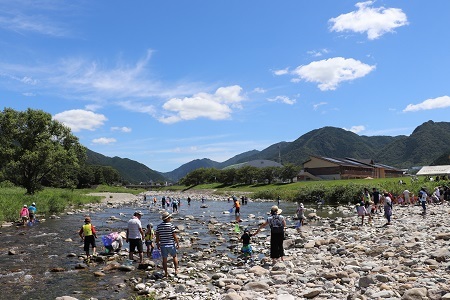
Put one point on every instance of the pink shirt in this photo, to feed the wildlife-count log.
(24, 212)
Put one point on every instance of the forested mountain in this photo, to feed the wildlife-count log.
(130, 170)
(428, 144)
(180, 172)
(442, 160)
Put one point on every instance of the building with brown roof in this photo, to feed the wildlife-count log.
(328, 168)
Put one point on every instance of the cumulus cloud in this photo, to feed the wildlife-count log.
(121, 129)
(329, 73)
(104, 141)
(356, 129)
(436, 103)
(281, 72)
(217, 106)
(282, 99)
(78, 119)
(373, 21)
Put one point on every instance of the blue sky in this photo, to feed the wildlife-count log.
(166, 82)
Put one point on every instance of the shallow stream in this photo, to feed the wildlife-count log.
(29, 253)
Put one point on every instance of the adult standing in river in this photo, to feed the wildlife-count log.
(135, 236)
(277, 225)
(167, 241)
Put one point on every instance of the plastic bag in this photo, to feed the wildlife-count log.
(156, 253)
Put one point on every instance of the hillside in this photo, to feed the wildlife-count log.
(132, 171)
(180, 172)
(428, 144)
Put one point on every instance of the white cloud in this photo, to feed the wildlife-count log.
(259, 90)
(329, 73)
(436, 103)
(78, 119)
(137, 107)
(104, 141)
(374, 21)
(92, 107)
(281, 72)
(316, 106)
(30, 17)
(29, 94)
(317, 53)
(356, 129)
(282, 99)
(217, 106)
(121, 129)
(78, 78)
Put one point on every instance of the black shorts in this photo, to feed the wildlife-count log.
(237, 210)
(136, 243)
(89, 241)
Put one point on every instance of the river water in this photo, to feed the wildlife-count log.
(29, 253)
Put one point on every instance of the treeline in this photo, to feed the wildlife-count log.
(242, 175)
(37, 151)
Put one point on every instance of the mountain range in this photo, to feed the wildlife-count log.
(429, 144)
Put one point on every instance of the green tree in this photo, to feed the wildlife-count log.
(227, 176)
(194, 178)
(246, 174)
(289, 171)
(34, 147)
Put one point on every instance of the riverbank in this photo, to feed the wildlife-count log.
(329, 258)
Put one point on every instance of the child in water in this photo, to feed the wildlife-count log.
(88, 236)
(246, 247)
(148, 238)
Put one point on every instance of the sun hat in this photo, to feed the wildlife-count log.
(276, 210)
(138, 212)
(149, 225)
(165, 215)
(34, 204)
(24, 205)
(301, 205)
(123, 234)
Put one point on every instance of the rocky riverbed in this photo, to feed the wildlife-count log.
(328, 258)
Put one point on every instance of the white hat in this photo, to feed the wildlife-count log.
(24, 205)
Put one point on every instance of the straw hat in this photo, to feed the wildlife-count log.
(165, 215)
(276, 210)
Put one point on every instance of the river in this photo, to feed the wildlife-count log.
(29, 253)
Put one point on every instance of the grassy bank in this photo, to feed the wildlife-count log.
(332, 191)
(49, 201)
(52, 201)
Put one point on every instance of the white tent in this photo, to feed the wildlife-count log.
(434, 170)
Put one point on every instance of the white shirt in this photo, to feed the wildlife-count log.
(134, 224)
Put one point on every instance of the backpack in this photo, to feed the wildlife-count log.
(276, 224)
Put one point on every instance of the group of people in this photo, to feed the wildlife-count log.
(28, 214)
(372, 203)
(377, 202)
(164, 237)
(171, 202)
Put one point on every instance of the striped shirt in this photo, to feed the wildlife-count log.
(165, 231)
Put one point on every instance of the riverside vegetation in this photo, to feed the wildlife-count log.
(54, 200)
